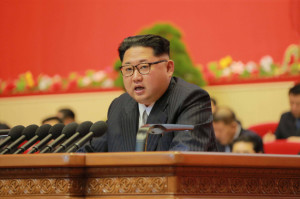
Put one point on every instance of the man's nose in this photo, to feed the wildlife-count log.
(136, 75)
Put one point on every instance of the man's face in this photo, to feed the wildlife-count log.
(60, 115)
(243, 147)
(224, 132)
(146, 89)
(295, 105)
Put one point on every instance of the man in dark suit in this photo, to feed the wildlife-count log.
(289, 124)
(153, 93)
(228, 129)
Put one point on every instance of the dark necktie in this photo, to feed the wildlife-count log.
(298, 123)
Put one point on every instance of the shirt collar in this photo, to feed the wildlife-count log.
(148, 109)
(237, 132)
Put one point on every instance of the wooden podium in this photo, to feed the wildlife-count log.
(162, 175)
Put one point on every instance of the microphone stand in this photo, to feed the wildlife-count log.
(158, 129)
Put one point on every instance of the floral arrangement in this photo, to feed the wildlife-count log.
(27, 84)
(226, 70)
(229, 70)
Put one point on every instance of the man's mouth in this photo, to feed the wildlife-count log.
(139, 89)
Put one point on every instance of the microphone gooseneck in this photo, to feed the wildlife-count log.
(13, 134)
(54, 132)
(67, 132)
(81, 130)
(27, 134)
(96, 130)
(40, 133)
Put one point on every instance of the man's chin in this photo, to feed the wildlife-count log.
(142, 101)
(296, 115)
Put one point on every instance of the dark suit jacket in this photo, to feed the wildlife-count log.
(287, 126)
(182, 103)
(242, 132)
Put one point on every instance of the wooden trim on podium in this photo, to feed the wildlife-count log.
(193, 159)
(43, 160)
(165, 175)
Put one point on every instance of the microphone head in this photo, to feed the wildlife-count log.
(42, 131)
(84, 128)
(16, 132)
(29, 131)
(56, 130)
(69, 129)
(98, 128)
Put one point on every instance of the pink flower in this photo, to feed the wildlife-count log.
(237, 67)
(266, 63)
(98, 76)
(226, 72)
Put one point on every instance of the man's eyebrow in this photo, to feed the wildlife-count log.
(140, 61)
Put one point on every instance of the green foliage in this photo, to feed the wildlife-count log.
(292, 51)
(184, 66)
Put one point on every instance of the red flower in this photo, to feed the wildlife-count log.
(10, 86)
(56, 86)
(72, 85)
(292, 60)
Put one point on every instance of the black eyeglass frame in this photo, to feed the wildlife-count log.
(136, 66)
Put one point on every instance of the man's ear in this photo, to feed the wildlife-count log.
(234, 124)
(170, 68)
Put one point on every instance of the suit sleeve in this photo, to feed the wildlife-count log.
(97, 144)
(100, 144)
(196, 110)
(279, 130)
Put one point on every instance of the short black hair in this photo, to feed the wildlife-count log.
(224, 114)
(251, 138)
(67, 113)
(52, 118)
(160, 45)
(295, 90)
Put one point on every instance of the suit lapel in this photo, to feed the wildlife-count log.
(159, 115)
(129, 122)
(156, 117)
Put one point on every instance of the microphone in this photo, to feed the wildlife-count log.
(4, 131)
(27, 134)
(40, 133)
(161, 128)
(81, 130)
(13, 134)
(145, 130)
(96, 130)
(54, 132)
(67, 132)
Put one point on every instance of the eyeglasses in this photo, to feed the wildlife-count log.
(143, 68)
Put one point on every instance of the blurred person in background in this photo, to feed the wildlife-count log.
(227, 128)
(289, 124)
(247, 143)
(66, 115)
(3, 126)
(52, 120)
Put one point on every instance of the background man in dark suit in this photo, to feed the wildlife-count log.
(228, 129)
(153, 96)
(289, 124)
